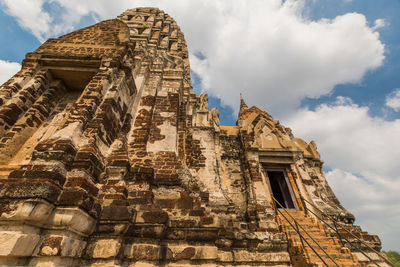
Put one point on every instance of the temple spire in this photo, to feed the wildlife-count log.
(242, 103)
(243, 106)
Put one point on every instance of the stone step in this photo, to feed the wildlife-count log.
(316, 236)
(308, 232)
(313, 231)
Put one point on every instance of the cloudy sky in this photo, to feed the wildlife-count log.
(329, 69)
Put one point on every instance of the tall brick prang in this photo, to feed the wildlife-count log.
(108, 158)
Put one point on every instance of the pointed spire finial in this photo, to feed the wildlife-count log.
(243, 105)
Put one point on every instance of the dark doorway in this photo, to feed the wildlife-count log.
(281, 189)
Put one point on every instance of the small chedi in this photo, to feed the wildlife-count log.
(108, 158)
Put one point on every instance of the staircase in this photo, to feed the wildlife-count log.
(306, 256)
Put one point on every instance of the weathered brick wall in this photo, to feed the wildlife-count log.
(105, 39)
(108, 158)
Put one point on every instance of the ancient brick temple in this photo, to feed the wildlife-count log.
(108, 158)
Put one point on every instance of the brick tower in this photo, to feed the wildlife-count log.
(108, 158)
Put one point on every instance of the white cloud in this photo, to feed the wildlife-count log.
(393, 100)
(277, 58)
(8, 69)
(363, 152)
(379, 23)
(344, 128)
(30, 15)
(373, 199)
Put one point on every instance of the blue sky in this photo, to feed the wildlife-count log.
(14, 41)
(374, 87)
(329, 69)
